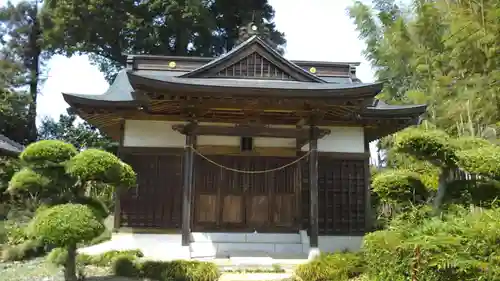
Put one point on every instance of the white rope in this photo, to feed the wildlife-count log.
(249, 172)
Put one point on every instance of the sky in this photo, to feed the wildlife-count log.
(319, 30)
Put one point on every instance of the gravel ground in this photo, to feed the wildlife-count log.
(39, 270)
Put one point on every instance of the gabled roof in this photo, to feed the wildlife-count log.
(253, 46)
(9, 147)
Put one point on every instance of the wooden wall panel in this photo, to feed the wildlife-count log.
(342, 195)
(156, 201)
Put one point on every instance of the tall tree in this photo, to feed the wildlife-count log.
(106, 29)
(21, 37)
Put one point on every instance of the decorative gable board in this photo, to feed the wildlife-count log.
(253, 60)
(254, 66)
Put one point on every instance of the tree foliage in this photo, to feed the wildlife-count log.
(80, 134)
(443, 53)
(21, 36)
(107, 29)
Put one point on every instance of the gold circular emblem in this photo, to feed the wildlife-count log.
(312, 69)
(172, 64)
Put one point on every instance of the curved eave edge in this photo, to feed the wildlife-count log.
(396, 112)
(147, 83)
(76, 100)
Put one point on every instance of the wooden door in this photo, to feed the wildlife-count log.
(230, 201)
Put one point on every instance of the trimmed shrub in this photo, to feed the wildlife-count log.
(12, 253)
(459, 245)
(102, 166)
(66, 224)
(124, 266)
(399, 186)
(15, 234)
(107, 258)
(48, 153)
(27, 250)
(27, 180)
(431, 145)
(336, 266)
(482, 161)
(166, 271)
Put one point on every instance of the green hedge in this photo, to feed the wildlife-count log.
(29, 249)
(166, 271)
(332, 266)
(58, 256)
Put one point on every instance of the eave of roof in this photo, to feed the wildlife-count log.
(119, 94)
(253, 86)
(10, 147)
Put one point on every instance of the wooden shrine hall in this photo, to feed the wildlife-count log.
(248, 142)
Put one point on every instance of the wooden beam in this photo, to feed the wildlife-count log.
(313, 188)
(249, 131)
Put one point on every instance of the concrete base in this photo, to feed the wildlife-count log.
(153, 246)
(236, 248)
(313, 253)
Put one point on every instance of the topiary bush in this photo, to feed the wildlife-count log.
(333, 266)
(27, 180)
(399, 186)
(47, 153)
(65, 226)
(431, 145)
(94, 164)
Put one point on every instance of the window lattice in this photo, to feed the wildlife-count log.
(254, 66)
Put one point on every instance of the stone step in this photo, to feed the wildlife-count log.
(274, 238)
(206, 249)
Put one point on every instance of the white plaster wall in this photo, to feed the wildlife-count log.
(273, 142)
(341, 139)
(148, 133)
(218, 140)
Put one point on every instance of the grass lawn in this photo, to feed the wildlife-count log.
(40, 270)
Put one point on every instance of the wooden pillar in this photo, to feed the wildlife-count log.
(118, 189)
(187, 188)
(313, 188)
(368, 205)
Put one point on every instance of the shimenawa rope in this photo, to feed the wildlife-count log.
(245, 171)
